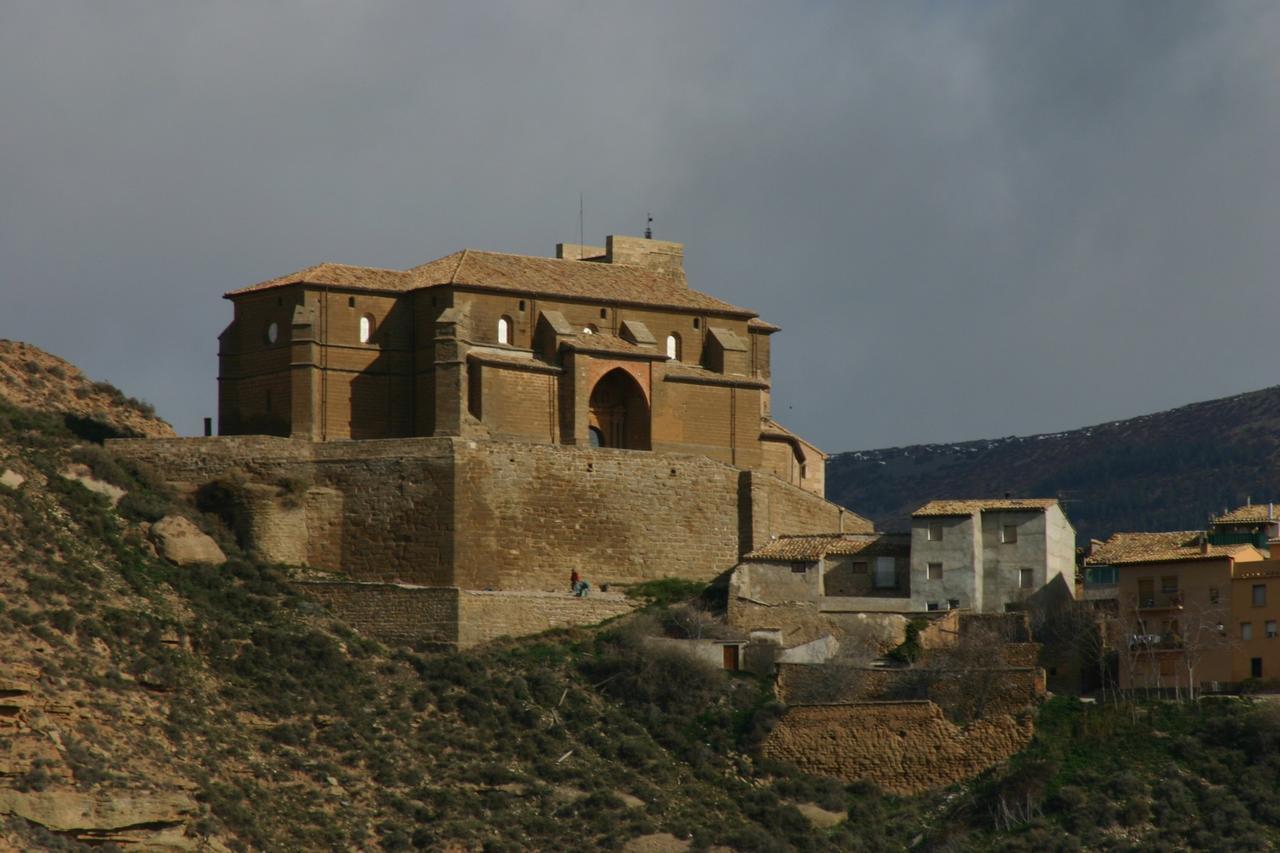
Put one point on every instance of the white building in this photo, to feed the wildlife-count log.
(982, 555)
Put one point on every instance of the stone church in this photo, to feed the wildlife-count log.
(434, 450)
(598, 346)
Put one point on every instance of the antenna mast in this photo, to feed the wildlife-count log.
(648, 226)
(580, 237)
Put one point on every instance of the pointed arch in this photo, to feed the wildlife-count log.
(619, 412)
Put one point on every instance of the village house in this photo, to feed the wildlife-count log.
(984, 555)
(1192, 612)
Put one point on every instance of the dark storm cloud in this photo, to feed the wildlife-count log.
(970, 219)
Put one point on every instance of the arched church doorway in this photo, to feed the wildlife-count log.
(619, 412)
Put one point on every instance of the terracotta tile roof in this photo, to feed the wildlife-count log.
(601, 342)
(679, 371)
(587, 280)
(762, 325)
(970, 506)
(1250, 514)
(1124, 548)
(816, 546)
(340, 275)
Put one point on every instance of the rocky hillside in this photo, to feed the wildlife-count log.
(31, 378)
(1166, 471)
(159, 689)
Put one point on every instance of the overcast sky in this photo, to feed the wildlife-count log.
(970, 219)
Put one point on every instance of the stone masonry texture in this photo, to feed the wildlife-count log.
(904, 747)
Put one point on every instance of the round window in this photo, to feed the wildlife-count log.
(273, 333)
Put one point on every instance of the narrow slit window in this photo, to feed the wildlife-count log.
(366, 329)
(673, 347)
(504, 330)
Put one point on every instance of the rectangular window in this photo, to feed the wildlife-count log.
(1259, 595)
(935, 531)
(886, 576)
(859, 568)
(1146, 592)
(932, 605)
(1255, 667)
(1009, 534)
(1169, 584)
(935, 571)
(1026, 578)
(1246, 630)
(1213, 595)
(954, 603)
(799, 568)
(1271, 629)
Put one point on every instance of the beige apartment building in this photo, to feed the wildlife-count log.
(1191, 612)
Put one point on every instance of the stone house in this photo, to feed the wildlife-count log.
(596, 347)
(984, 555)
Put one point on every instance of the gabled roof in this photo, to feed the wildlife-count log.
(1250, 514)
(808, 548)
(569, 279)
(338, 275)
(1164, 547)
(970, 506)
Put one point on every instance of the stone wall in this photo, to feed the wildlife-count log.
(1002, 689)
(527, 515)
(489, 514)
(450, 617)
(487, 615)
(397, 613)
(904, 747)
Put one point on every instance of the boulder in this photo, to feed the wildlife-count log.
(11, 479)
(179, 541)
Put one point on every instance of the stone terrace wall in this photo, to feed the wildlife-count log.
(396, 613)
(1007, 689)
(488, 615)
(904, 747)
(447, 616)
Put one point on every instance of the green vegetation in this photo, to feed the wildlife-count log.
(297, 733)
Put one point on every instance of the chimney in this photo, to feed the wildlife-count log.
(1204, 544)
(1248, 500)
(656, 255)
(1271, 511)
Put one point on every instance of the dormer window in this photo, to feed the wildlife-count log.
(504, 330)
(366, 329)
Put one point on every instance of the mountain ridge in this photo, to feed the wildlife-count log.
(1164, 470)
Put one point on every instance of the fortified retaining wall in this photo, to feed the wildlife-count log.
(489, 514)
(904, 747)
(463, 516)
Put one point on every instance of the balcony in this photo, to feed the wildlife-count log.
(1161, 601)
(1155, 642)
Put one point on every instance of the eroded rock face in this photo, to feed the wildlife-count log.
(179, 541)
(72, 811)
